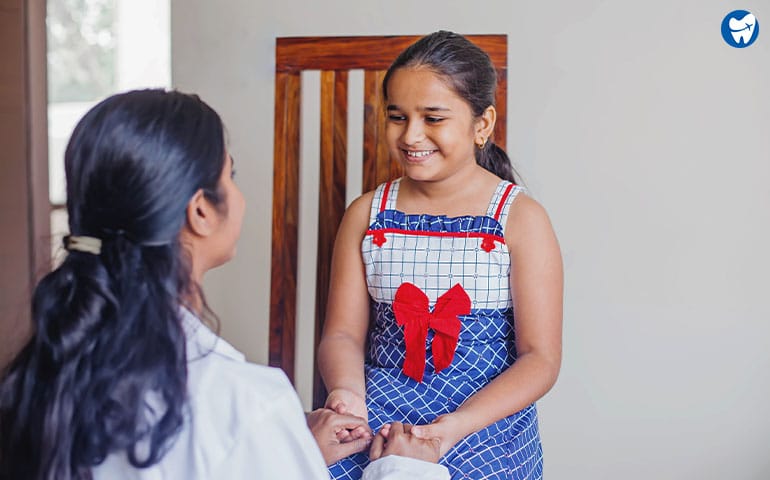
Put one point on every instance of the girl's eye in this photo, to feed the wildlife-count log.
(433, 119)
(232, 173)
(396, 118)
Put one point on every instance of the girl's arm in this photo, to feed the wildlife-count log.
(537, 291)
(341, 351)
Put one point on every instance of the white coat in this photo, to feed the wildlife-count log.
(245, 421)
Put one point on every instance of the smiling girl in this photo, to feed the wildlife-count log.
(428, 271)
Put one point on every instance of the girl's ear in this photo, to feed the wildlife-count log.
(485, 125)
(201, 217)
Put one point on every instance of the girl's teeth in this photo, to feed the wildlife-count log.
(423, 153)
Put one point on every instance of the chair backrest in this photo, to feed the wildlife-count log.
(334, 57)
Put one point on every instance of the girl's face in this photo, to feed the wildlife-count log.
(430, 129)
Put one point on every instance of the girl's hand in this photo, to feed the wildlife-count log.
(395, 439)
(448, 429)
(345, 402)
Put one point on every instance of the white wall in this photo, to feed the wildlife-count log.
(645, 136)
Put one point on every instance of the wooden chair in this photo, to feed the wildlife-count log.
(334, 57)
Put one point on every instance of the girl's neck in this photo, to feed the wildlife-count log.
(445, 187)
(454, 195)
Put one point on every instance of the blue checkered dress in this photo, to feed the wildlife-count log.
(435, 253)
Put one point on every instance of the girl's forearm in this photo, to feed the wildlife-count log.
(524, 382)
(341, 363)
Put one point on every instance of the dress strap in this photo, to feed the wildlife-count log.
(501, 201)
(384, 198)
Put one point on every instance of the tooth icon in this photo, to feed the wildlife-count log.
(742, 30)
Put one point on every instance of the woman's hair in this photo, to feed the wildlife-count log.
(106, 369)
(469, 71)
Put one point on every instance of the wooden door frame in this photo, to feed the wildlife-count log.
(24, 199)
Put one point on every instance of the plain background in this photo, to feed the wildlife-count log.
(644, 135)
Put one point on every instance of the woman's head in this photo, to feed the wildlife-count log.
(107, 328)
(135, 161)
(467, 71)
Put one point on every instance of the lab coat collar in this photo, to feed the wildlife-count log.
(201, 341)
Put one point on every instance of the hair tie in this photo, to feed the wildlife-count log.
(83, 244)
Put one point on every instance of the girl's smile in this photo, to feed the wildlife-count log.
(417, 156)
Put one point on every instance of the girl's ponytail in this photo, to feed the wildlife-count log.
(494, 159)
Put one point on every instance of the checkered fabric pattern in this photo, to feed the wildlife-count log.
(435, 253)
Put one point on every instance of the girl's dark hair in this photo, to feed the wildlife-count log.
(470, 72)
(106, 369)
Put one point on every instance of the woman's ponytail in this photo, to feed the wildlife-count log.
(106, 336)
(44, 391)
(106, 369)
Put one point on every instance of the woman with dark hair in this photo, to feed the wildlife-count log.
(121, 378)
(442, 258)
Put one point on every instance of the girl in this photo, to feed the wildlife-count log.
(446, 255)
(121, 379)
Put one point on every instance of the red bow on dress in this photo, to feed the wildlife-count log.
(411, 307)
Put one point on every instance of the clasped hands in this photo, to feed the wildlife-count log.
(341, 429)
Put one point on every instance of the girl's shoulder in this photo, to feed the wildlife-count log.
(366, 205)
(364, 201)
(525, 207)
(360, 207)
(356, 218)
(526, 217)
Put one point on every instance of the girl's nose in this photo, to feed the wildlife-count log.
(413, 133)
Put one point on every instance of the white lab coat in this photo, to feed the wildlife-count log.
(244, 421)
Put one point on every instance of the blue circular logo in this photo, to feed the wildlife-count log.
(740, 29)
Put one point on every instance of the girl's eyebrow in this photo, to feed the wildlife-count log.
(427, 109)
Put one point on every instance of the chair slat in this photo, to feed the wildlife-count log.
(283, 279)
(331, 202)
(501, 105)
(376, 168)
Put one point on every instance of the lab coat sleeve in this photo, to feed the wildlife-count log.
(394, 467)
(271, 440)
(248, 424)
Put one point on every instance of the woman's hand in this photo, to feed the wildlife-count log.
(338, 435)
(346, 402)
(396, 439)
(448, 429)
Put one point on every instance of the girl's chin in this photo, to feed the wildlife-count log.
(419, 174)
(416, 167)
